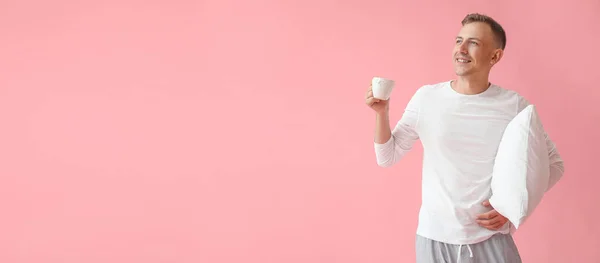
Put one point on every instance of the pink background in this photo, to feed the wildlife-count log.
(236, 131)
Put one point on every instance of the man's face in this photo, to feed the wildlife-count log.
(475, 50)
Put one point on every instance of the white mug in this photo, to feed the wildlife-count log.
(382, 88)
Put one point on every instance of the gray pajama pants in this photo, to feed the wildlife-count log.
(500, 248)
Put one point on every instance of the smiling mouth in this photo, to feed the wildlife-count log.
(462, 60)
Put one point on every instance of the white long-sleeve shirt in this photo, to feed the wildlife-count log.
(460, 135)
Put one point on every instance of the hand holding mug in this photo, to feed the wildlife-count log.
(378, 94)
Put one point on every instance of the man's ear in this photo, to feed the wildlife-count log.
(497, 55)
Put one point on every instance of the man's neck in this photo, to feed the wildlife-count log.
(470, 85)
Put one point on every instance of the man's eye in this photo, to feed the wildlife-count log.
(474, 43)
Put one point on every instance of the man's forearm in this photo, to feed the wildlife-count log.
(382, 128)
(392, 144)
(557, 168)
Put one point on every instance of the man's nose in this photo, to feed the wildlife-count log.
(462, 48)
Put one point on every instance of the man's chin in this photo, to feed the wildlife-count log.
(461, 73)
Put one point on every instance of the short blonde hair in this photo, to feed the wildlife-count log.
(499, 33)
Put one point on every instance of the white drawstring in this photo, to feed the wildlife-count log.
(460, 250)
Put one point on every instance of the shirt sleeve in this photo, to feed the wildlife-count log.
(404, 135)
(557, 168)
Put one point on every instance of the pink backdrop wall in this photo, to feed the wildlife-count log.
(236, 131)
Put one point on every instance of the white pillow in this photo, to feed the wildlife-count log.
(521, 169)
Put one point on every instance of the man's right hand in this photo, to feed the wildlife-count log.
(379, 106)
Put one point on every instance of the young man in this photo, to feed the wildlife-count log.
(460, 123)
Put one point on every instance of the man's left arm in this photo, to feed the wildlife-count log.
(557, 168)
(556, 163)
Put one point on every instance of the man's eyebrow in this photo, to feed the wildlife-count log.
(470, 38)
